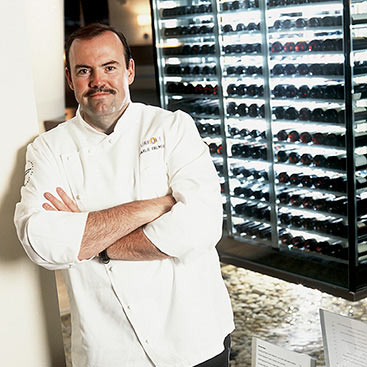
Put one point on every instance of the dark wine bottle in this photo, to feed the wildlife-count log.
(278, 69)
(306, 159)
(294, 157)
(315, 45)
(290, 69)
(301, 46)
(298, 242)
(303, 91)
(283, 178)
(291, 113)
(305, 114)
(303, 69)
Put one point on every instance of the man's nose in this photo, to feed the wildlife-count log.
(97, 79)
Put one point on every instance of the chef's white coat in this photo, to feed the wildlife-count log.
(166, 313)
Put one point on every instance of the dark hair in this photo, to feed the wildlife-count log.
(93, 30)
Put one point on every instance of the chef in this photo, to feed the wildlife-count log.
(125, 200)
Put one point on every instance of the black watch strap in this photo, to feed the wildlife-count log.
(103, 257)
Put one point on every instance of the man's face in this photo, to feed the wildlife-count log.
(99, 77)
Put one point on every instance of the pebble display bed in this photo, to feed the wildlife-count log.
(282, 313)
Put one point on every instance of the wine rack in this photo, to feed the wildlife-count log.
(278, 91)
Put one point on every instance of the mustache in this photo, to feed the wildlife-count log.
(93, 91)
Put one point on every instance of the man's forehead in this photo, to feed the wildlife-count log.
(106, 43)
(106, 37)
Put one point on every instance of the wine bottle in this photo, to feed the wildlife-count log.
(279, 112)
(285, 218)
(310, 245)
(292, 135)
(337, 205)
(283, 178)
(303, 91)
(240, 70)
(232, 109)
(294, 158)
(309, 223)
(265, 232)
(284, 197)
(241, 89)
(314, 22)
(301, 46)
(315, 46)
(335, 249)
(232, 89)
(243, 110)
(295, 179)
(291, 91)
(297, 220)
(251, 70)
(331, 45)
(286, 238)
(296, 200)
(241, 228)
(307, 202)
(262, 174)
(277, 69)
(279, 91)
(305, 114)
(298, 242)
(290, 69)
(276, 47)
(289, 47)
(227, 28)
(291, 113)
(316, 69)
(306, 159)
(240, 27)
(317, 115)
(231, 70)
(300, 23)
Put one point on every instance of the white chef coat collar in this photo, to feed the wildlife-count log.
(121, 123)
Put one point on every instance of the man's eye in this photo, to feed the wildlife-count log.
(82, 71)
(110, 68)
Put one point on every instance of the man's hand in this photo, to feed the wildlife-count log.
(65, 205)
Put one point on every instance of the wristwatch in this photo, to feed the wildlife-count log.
(103, 257)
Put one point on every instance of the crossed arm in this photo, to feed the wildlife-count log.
(117, 229)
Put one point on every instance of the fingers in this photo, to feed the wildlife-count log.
(66, 204)
(48, 207)
(67, 200)
(58, 205)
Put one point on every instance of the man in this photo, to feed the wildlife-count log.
(133, 223)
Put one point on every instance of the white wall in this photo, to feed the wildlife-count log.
(29, 321)
(45, 32)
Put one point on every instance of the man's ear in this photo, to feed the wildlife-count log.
(68, 77)
(131, 71)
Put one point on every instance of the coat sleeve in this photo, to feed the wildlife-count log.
(195, 221)
(51, 239)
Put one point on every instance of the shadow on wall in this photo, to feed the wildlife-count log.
(11, 253)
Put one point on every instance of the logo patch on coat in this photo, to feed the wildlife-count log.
(151, 144)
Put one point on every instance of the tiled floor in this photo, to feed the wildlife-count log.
(276, 311)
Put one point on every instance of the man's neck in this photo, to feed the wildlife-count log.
(103, 123)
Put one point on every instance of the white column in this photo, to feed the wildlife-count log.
(45, 32)
(29, 320)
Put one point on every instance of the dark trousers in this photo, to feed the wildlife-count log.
(222, 359)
